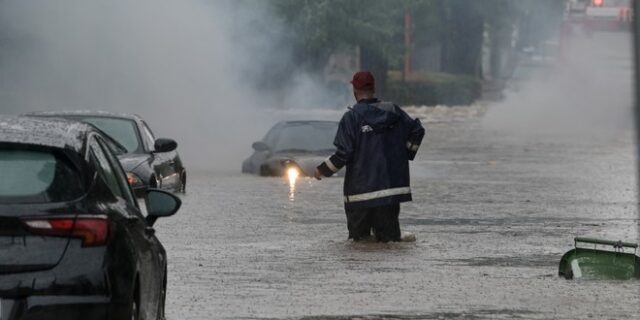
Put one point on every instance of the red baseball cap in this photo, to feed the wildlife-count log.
(363, 80)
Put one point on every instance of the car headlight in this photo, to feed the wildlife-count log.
(133, 180)
(293, 173)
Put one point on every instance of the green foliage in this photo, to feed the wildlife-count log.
(320, 27)
(434, 89)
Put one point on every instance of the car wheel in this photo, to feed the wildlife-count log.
(183, 182)
(163, 298)
(154, 183)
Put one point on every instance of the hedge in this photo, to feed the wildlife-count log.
(433, 89)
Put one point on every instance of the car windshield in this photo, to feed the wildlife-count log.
(121, 130)
(37, 177)
(307, 137)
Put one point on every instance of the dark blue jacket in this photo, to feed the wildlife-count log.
(375, 141)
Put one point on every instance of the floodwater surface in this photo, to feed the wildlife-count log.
(493, 213)
(492, 217)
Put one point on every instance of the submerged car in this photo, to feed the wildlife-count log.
(149, 162)
(75, 243)
(296, 145)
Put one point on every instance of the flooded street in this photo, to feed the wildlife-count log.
(530, 142)
(494, 210)
(493, 215)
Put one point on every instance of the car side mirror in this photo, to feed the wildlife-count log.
(260, 146)
(165, 145)
(160, 204)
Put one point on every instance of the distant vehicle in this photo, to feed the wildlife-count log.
(608, 15)
(297, 145)
(74, 242)
(149, 162)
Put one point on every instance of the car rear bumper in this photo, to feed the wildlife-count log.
(56, 307)
(79, 287)
(606, 24)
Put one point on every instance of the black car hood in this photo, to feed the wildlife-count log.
(131, 161)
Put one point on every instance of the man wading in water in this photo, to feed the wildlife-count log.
(375, 141)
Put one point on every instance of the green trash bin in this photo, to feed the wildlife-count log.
(595, 259)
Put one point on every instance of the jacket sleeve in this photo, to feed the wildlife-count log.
(345, 144)
(416, 133)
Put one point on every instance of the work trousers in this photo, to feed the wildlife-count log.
(383, 221)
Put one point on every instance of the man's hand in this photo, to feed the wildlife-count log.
(317, 174)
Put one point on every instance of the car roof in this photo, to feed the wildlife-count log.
(56, 133)
(86, 113)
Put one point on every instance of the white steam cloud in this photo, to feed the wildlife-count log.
(589, 93)
(187, 66)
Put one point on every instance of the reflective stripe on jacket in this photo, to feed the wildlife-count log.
(375, 141)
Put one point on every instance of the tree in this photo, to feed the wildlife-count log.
(513, 25)
(321, 27)
(462, 36)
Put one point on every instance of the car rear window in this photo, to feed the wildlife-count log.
(123, 131)
(33, 176)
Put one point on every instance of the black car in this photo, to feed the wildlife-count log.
(298, 145)
(149, 162)
(74, 243)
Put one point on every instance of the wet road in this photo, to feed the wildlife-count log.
(493, 212)
(493, 215)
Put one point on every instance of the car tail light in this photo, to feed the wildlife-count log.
(597, 3)
(93, 230)
(133, 180)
